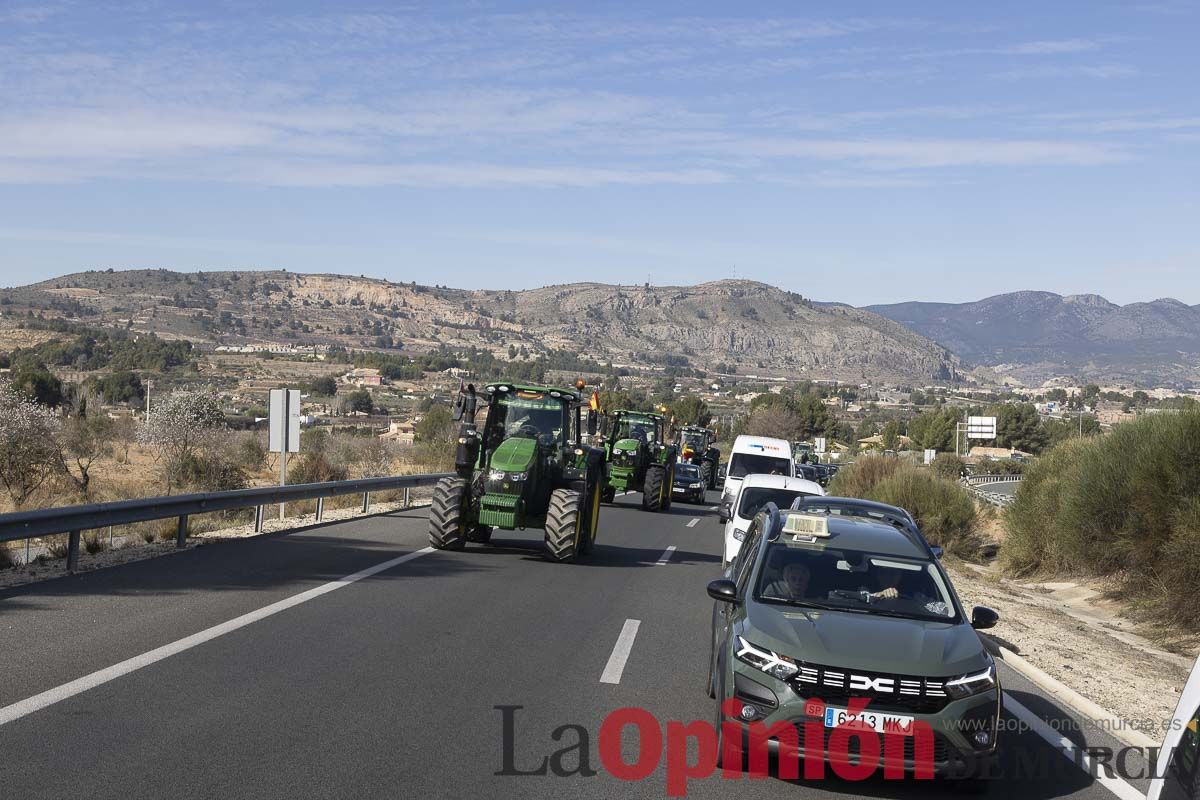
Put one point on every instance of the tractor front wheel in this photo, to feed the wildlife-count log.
(706, 475)
(652, 489)
(592, 522)
(565, 520)
(447, 515)
(608, 494)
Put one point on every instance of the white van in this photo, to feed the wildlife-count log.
(756, 454)
(755, 492)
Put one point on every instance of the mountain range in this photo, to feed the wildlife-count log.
(1034, 335)
(732, 324)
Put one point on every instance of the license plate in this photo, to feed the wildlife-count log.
(876, 721)
(679, 489)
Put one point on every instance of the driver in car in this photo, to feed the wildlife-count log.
(891, 596)
(793, 583)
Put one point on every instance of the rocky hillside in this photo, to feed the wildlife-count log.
(1042, 334)
(751, 326)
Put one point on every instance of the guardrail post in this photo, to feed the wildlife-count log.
(260, 513)
(366, 501)
(72, 551)
(320, 508)
(407, 497)
(181, 531)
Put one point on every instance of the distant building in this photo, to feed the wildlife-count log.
(363, 376)
(402, 432)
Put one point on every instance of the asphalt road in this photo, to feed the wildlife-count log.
(388, 685)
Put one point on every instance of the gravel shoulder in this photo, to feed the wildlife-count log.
(1096, 657)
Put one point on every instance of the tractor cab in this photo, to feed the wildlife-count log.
(696, 447)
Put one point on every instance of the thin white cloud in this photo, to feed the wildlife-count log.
(1099, 71)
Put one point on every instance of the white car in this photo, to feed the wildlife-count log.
(754, 492)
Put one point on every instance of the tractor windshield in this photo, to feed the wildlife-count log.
(693, 440)
(524, 414)
(640, 428)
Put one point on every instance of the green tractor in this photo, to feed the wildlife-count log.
(527, 468)
(639, 459)
(696, 446)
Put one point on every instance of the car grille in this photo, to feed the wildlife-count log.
(886, 691)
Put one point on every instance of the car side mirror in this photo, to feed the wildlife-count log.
(983, 618)
(723, 590)
(722, 517)
(937, 552)
(591, 423)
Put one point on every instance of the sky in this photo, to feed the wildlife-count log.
(850, 151)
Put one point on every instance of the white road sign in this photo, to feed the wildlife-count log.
(285, 405)
(981, 427)
(930, 455)
(819, 444)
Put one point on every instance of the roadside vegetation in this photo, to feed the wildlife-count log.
(942, 508)
(1124, 506)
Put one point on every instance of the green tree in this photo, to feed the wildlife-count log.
(934, 430)
(891, 435)
(1018, 427)
(38, 382)
(435, 425)
(813, 417)
(691, 410)
(359, 401)
(323, 387)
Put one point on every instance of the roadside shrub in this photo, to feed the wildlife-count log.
(95, 543)
(944, 510)
(948, 466)
(1126, 504)
(315, 467)
(6, 558)
(861, 477)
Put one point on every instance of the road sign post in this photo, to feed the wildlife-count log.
(285, 430)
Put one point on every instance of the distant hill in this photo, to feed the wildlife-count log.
(1040, 334)
(751, 326)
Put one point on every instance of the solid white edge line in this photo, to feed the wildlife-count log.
(49, 697)
(692, 524)
(620, 652)
(665, 557)
(712, 508)
(1069, 749)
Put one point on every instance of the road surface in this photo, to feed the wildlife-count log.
(298, 682)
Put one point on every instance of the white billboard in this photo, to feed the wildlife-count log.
(981, 427)
(819, 444)
(930, 455)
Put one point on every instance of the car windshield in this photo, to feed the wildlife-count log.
(687, 472)
(851, 580)
(754, 498)
(525, 414)
(743, 464)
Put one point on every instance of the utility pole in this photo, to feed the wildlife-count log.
(149, 386)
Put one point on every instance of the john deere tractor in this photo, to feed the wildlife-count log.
(639, 459)
(696, 447)
(527, 468)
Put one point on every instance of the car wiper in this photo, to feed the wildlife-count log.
(806, 604)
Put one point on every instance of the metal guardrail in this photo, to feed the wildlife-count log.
(73, 520)
(1000, 499)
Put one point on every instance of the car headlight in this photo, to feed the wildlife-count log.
(697, 485)
(770, 662)
(971, 684)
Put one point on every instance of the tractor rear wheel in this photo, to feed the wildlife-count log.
(564, 525)
(652, 489)
(706, 475)
(447, 515)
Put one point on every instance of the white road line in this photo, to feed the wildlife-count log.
(620, 654)
(712, 508)
(692, 524)
(665, 557)
(1068, 749)
(80, 685)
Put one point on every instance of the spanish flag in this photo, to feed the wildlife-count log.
(594, 403)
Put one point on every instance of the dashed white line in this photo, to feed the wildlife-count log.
(665, 557)
(620, 654)
(1069, 750)
(80, 685)
(712, 508)
(692, 524)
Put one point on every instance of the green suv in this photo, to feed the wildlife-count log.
(845, 610)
